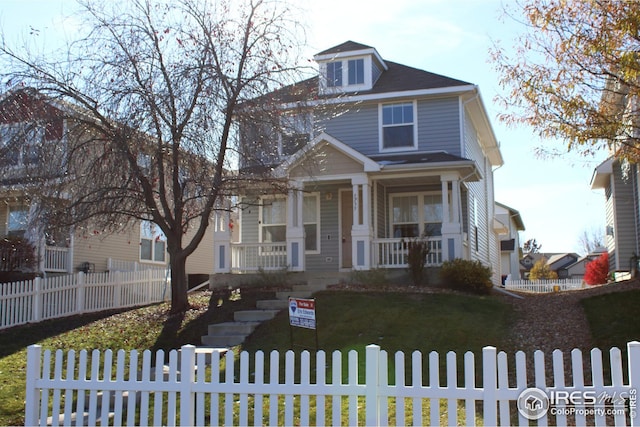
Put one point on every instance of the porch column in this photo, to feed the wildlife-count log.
(221, 242)
(295, 228)
(361, 232)
(451, 223)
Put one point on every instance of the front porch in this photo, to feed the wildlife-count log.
(386, 253)
(344, 211)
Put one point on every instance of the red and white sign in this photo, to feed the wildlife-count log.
(302, 313)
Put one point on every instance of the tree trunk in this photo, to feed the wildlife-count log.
(179, 284)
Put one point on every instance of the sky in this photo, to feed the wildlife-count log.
(448, 37)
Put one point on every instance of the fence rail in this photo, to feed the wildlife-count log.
(392, 390)
(544, 286)
(52, 297)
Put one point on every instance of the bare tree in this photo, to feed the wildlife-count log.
(590, 240)
(531, 246)
(157, 86)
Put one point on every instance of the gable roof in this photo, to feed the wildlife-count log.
(347, 46)
(515, 216)
(317, 143)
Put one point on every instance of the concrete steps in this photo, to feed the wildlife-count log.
(245, 321)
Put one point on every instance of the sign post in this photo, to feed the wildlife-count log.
(302, 314)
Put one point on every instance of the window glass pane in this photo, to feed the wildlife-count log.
(398, 136)
(387, 115)
(405, 230)
(334, 74)
(274, 212)
(397, 114)
(405, 209)
(145, 249)
(158, 250)
(310, 237)
(407, 113)
(309, 209)
(356, 71)
(17, 219)
(274, 233)
(432, 208)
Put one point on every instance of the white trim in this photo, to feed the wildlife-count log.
(318, 248)
(381, 126)
(450, 90)
(317, 143)
(328, 57)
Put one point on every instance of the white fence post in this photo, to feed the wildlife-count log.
(372, 398)
(34, 354)
(633, 355)
(490, 385)
(80, 283)
(37, 299)
(117, 289)
(187, 378)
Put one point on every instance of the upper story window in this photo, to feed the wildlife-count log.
(295, 131)
(334, 74)
(20, 143)
(153, 242)
(398, 126)
(17, 220)
(356, 71)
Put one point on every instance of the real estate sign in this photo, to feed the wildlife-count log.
(302, 313)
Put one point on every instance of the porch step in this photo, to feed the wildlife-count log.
(254, 315)
(245, 321)
(232, 328)
(223, 340)
(272, 304)
(284, 295)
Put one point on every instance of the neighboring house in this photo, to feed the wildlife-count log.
(620, 181)
(567, 265)
(384, 153)
(509, 224)
(23, 145)
(579, 268)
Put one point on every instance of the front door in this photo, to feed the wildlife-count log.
(346, 219)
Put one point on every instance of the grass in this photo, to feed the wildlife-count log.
(346, 321)
(613, 318)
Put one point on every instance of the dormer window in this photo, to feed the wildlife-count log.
(398, 126)
(356, 71)
(334, 74)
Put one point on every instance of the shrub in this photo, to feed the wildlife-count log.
(17, 254)
(418, 250)
(542, 271)
(466, 275)
(597, 271)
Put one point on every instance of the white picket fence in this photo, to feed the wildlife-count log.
(544, 286)
(52, 297)
(88, 389)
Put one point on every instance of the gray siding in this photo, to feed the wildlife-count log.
(438, 126)
(624, 210)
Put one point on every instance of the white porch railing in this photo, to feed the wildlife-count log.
(393, 253)
(56, 259)
(246, 257)
(544, 286)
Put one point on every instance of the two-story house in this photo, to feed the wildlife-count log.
(378, 153)
(509, 223)
(35, 135)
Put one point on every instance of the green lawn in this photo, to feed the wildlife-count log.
(347, 320)
(613, 318)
